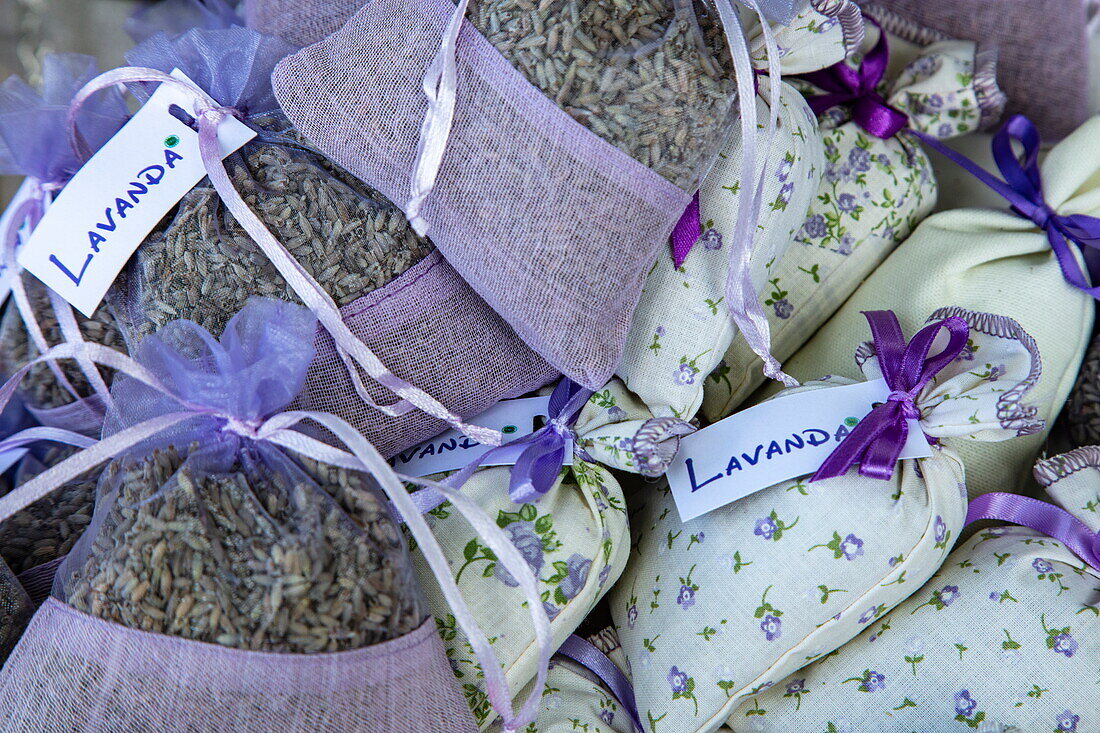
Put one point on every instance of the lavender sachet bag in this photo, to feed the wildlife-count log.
(34, 143)
(556, 150)
(394, 292)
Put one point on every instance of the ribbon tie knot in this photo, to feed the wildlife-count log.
(1042, 215)
(244, 428)
(877, 441)
(858, 89)
(905, 399)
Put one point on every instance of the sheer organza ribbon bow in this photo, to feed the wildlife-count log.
(242, 401)
(1022, 187)
(876, 442)
(208, 115)
(858, 89)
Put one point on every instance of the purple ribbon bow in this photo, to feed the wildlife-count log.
(857, 88)
(1022, 187)
(542, 459)
(876, 442)
(584, 653)
(1042, 517)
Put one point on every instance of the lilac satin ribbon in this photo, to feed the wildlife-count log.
(588, 656)
(858, 90)
(1022, 187)
(541, 461)
(687, 232)
(877, 440)
(1042, 517)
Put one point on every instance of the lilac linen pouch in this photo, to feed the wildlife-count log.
(553, 224)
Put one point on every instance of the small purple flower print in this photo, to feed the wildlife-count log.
(552, 611)
(859, 159)
(607, 716)
(685, 374)
(997, 372)
(869, 614)
(632, 616)
(711, 239)
(816, 227)
(964, 703)
(1041, 566)
(875, 681)
(626, 444)
(783, 308)
(940, 529)
(935, 101)
(945, 130)
(793, 688)
(529, 544)
(846, 202)
(700, 537)
(1067, 721)
(772, 627)
(994, 596)
(605, 573)
(578, 567)
(765, 527)
(1065, 644)
(883, 160)
(846, 245)
(616, 413)
(852, 547)
(686, 599)
(677, 680)
(785, 192)
(784, 169)
(660, 330)
(893, 561)
(949, 594)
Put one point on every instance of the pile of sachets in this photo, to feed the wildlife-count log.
(403, 365)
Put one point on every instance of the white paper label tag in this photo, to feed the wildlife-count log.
(772, 442)
(22, 194)
(10, 458)
(117, 197)
(452, 450)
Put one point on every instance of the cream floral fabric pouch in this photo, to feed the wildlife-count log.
(1006, 637)
(713, 610)
(873, 193)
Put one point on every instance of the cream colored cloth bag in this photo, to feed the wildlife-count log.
(1006, 637)
(713, 610)
(994, 261)
(874, 192)
(682, 325)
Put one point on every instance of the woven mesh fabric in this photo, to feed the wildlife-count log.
(15, 610)
(553, 226)
(429, 327)
(1035, 40)
(300, 22)
(75, 672)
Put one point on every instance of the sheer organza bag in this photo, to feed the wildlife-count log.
(548, 151)
(238, 573)
(383, 288)
(1003, 638)
(34, 143)
(715, 609)
(300, 22)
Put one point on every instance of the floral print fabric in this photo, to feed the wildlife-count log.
(872, 195)
(1004, 637)
(682, 325)
(714, 610)
(993, 261)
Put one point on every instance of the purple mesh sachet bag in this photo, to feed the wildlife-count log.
(34, 143)
(1043, 63)
(574, 149)
(300, 22)
(424, 323)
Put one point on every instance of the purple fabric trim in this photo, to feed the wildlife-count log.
(687, 231)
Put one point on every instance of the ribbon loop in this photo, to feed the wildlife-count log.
(1042, 517)
(858, 89)
(1022, 188)
(876, 442)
